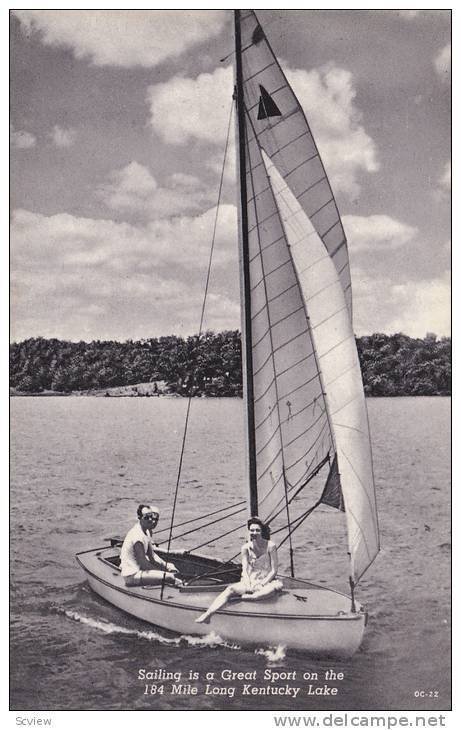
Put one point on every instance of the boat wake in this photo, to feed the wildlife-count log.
(272, 654)
(107, 627)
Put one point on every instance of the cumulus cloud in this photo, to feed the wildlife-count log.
(215, 164)
(133, 188)
(88, 278)
(424, 307)
(409, 14)
(445, 178)
(80, 277)
(368, 233)
(123, 38)
(442, 63)
(22, 140)
(185, 109)
(328, 95)
(442, 189)
(415, 308)
(63, 137)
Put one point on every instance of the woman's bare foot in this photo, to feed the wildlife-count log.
(203, 619)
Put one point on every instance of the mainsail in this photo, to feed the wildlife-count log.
(304, 388)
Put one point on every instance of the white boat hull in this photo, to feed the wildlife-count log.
(304, 616)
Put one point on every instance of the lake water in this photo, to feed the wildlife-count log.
(79, 467)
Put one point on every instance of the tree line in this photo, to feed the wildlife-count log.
(210, 364)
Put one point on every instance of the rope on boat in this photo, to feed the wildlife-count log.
(299, 520)
(202, 315)
(194, 519)
(213, 522)
(292, 527)
(311, 476)
(214, 539)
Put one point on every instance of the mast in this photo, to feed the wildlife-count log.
(247, 356)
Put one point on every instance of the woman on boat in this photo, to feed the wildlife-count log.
(259, 570)
(140, 565)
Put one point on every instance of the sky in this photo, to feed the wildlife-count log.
(118, 129)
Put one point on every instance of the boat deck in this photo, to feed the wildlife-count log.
(297, 599)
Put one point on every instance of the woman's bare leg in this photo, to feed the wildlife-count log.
(219, 602)
(263, 592)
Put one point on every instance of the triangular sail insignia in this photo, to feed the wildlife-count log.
(258, 35)
(267, 106)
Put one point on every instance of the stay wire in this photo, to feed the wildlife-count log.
(208, 524)
(194, 519)
(202, 315)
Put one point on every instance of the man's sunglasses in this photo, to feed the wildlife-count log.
(150, 516)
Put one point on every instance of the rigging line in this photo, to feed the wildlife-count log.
(311, 476)
(201, 527)
(202, 314)
(320, 437)
(194, 519)
(215, 539)
(300, 488)
(240, 526)
(299, 522)
(290, 466)
(307, 470)
(306, 430)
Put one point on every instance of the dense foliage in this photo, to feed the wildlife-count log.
(209, 364)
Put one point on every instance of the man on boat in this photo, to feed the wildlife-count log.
(139, 563)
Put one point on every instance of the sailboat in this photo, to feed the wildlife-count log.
(307, 433)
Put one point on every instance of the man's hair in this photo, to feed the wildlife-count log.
(140, 509)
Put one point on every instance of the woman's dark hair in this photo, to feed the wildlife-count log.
(140, 509)
(265, 529)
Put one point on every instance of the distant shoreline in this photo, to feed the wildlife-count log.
(157, 389)
(209, 364)
(128, 392)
